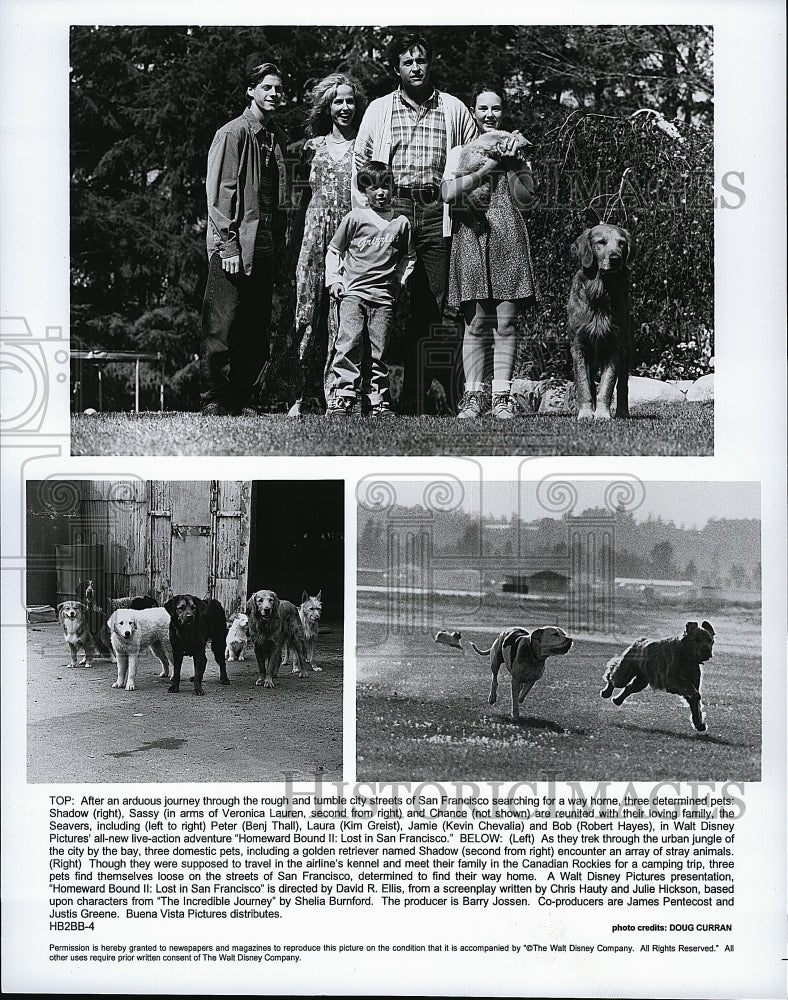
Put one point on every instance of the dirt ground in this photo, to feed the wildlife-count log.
(81, 729)
(422, 714)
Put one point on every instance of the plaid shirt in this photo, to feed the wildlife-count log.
(418, 141)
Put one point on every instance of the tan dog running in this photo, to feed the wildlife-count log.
(524, 654)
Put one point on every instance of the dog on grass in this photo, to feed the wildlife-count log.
(193, 622)
(671, 665)
(309, 611)
(600, 326)
(524, 653)
(131, 632)
(237, 637)
(82, 644)
(274, 623)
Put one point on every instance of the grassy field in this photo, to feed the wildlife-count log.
(422, 713)
(658, 429)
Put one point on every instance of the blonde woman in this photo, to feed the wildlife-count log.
(337, 104)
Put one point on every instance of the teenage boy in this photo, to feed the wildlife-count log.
(247, 191)
(369, 260)
(412, 130)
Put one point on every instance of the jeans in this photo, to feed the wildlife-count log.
(236, 324)
(427, 288)
(360, 322)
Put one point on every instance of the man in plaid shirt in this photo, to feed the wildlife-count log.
(412, 130)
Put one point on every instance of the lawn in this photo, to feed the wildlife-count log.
(657, 429)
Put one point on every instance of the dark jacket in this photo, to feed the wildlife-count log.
(232, 183)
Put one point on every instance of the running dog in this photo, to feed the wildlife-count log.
(524, 654)
(77, 633)
(131, 632)
(671, 665)
(193, 622)
(237, 637)
(600, 325)
(272, 624)
(309, 611)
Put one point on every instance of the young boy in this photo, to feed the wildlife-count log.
(369, 260)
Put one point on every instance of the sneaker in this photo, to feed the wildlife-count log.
(381, 410)
(341, 406)
(215, 410)
(503, 406)
(471, 405)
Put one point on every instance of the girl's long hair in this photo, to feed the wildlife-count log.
(318, 120)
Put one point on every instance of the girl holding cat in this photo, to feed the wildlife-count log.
(489, 185)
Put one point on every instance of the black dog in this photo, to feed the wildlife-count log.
(192, 623)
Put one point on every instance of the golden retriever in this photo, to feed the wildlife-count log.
(671, 665)
(599, 321)
(272, 623)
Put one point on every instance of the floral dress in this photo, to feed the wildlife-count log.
(491, 252)
(329, 180)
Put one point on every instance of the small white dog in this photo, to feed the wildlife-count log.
(131, 632)
(237, 638)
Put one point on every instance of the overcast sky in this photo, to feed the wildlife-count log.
(690, 504)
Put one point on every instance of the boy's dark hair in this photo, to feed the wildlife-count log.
(403, 42)
(373, 173)
(260, 72)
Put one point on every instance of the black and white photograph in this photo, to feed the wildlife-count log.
(394, 556)
(559, 629)
(408, 240)
(184, 631)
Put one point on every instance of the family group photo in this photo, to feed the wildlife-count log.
(374, 240)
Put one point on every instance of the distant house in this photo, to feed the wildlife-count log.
(657, 588)
(546, 581)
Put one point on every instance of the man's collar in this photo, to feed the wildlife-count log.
(255, 122)
(413, 104)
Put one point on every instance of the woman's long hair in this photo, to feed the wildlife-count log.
(318, 120)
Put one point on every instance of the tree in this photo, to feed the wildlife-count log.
(662, 561)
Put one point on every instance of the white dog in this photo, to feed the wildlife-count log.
(131, 633)
(237, 638)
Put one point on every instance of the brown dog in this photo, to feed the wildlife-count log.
(600, 322)
(272, 624)
(77, 633)
(671, 665)
(524, 654)
(192, 623)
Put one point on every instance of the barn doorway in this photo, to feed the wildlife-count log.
(297, 541)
